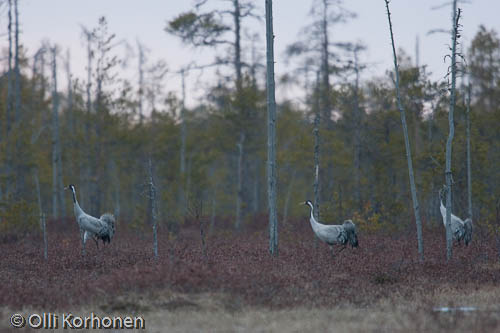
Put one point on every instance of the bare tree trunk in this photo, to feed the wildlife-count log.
(237, 46)
(469, 177)
(182, 190)
(89, 164)
(17, 102)
(325, 67)
(9, 72)
(407, 144)
(448, 173)
(55, 138)
(357, 134)
(141, 80)
(152, 199)
(317, 121)
(271, 132)
(9, 102)
(239, 189)
(71, 122)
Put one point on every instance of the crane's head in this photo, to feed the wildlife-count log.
(70, 187)
(307, 203)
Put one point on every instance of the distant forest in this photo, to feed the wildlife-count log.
(98, 132)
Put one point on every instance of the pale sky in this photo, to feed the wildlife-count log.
(59, 21)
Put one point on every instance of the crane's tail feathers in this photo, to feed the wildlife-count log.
(468, 231)
(107, 233)
(350, 229)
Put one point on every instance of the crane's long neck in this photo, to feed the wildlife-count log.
(312, 219)
(78, 210)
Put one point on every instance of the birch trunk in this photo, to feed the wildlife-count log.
(449, 142)
(416, 207)
(271, 132)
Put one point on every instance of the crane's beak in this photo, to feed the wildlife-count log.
(302, 203)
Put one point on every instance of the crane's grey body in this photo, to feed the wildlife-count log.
(96, 228)
(334, 234)
(460, 230)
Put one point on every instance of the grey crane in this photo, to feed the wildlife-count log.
(334, 234)
(461, 230)
(96, 228)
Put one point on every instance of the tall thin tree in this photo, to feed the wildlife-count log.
(451, 133)
(57, 200)
(271, 132)
(469, 176)
(416, 208)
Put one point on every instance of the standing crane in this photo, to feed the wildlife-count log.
(459, 229)
(96, 228)
(334, 234)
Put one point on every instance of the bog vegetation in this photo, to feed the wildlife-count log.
(109, 137)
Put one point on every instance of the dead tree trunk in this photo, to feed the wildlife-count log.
(271, 132)
(469, 176)
(413, 188)
(182, 189)
(152, 205)
(9, 101)
(357, 134)
(317, 122)
(448, 173)
(56, 198)
(239, 187)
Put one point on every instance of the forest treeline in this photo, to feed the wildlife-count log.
(99, 132)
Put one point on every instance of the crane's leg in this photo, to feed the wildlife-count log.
(332, 251)
(342, 249)
(82, 237)
(96, 241)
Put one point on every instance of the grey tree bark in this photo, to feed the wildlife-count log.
(152, 199)
(271, 132)
(317, 122)
(416, 208)
(325, 67)
(357, 132)
(9, 101)
(182, 190)
(239, 186)
(449, 142)
(140, 48)
(57, 199)
(88, 103)
(469, 175)
(9, 70)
